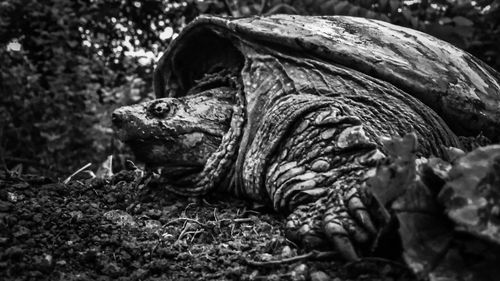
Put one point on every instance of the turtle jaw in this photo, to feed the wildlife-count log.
(177, 170)
(175, 166)
(177, 175)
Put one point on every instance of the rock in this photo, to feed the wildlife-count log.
(76, 215)
(120, 218)
(266, 257)
(112, 269)
(320, 276)
(299, 273)
(152, 225)
(13, 197)
(14, 252)
(21, 232)
(4, 241)
(287, 252)
(154, 213)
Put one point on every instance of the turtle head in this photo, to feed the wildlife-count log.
(177, 135)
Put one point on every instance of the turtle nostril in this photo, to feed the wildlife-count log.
(117, 119)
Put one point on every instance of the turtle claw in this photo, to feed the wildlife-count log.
(358, 210)
(342, 223)
(364, 219)
(347, 224)
(339, 237)
(344, 246)
(341, 232)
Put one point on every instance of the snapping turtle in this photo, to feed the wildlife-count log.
(290, 110)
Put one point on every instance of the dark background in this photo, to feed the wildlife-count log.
(65, 65)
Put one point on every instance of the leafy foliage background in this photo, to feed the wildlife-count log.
(65, 65)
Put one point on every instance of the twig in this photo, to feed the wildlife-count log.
(240, 220)
(314, 255)
(249, 212)
(291, 243)
(215, 215)
(187, 207)
(186, 232)
(194, 234)
(75, 173)
(185, 219)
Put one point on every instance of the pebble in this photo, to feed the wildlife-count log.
(12, 197)
(14, 252)
(299, 273)
(43, 263)
(37, 218)
(152, 224)
(320, 276)
(3, 241)
(76, 215)
(21, 232)
(112, 269)
(120, 218)
(287, 252)
(266, 257)
(154, 213)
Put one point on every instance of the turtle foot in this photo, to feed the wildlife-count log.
(342, 222)
(347, 223)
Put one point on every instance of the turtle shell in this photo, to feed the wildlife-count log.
(461, 89)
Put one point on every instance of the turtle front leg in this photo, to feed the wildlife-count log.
(318, 175)
(336, 214)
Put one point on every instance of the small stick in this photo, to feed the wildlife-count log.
(185, 219)
(239, 220)
(75, 173)
(310, 255)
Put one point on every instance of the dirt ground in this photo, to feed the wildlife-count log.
(122, 230)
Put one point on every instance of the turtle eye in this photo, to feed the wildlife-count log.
(160, 109)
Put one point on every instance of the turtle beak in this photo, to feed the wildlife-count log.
(123, 122)
(118, 118)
